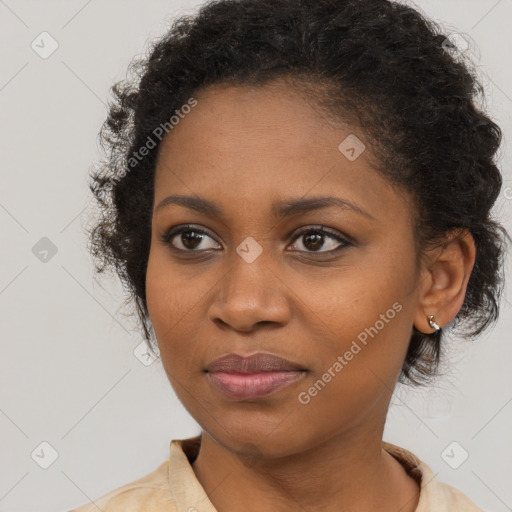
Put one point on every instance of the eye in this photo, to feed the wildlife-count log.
(190, 240)
(314, 238)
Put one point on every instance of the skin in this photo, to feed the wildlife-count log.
(245, 148)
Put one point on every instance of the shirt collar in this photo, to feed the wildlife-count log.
(421, 472)
(188, 492)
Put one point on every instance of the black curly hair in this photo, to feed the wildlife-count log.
(380, 65)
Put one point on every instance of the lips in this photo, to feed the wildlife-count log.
(253, 377)
(256, 363)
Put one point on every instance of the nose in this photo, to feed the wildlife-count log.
(250, 294)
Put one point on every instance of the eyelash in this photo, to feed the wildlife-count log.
(167, 237)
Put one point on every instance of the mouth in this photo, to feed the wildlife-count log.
(257, 376)
(253, 385)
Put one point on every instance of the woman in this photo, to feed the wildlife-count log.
(297, 195)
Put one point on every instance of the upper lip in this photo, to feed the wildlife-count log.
(255, 363)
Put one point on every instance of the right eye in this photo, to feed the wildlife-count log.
(191, 238)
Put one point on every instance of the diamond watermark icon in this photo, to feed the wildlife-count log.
(454, 455)
(351, 147)
(142, 353)
(249, 249)
(44, 45)
(255, 454)
(44, 455)
(44, 250)
(455, 43)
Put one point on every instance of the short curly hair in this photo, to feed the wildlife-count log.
(379, 64)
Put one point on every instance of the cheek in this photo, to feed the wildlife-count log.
(363, 320)
(360, 362)
(173, 298)
(165, 312)
(169, 292)
(159, 295)
(162, 292)
(366, 299)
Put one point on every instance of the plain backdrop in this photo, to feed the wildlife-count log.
(73, 394)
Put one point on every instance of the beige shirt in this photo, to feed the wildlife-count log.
(173, 486)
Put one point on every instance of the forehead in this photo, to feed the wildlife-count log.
(253, 116)
(248, 144)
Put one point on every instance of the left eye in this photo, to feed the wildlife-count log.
(313, 239)
(190, 238)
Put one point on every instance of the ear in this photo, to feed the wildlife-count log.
(444, 278)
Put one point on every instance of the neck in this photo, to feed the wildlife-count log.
(346, 472)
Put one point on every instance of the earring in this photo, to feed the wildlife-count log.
(432, 322)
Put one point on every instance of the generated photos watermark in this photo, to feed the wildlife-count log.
(151, 142)
(305, 397)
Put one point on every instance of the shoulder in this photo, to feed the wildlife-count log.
(452, 499)
(172, 486)
(435, 496)
(150, 493)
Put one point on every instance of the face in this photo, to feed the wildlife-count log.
(331, 288)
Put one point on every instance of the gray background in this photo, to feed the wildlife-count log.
(68, 374)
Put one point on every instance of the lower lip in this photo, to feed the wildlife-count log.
(253, 385)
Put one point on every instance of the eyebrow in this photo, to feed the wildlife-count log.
(280, 209)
